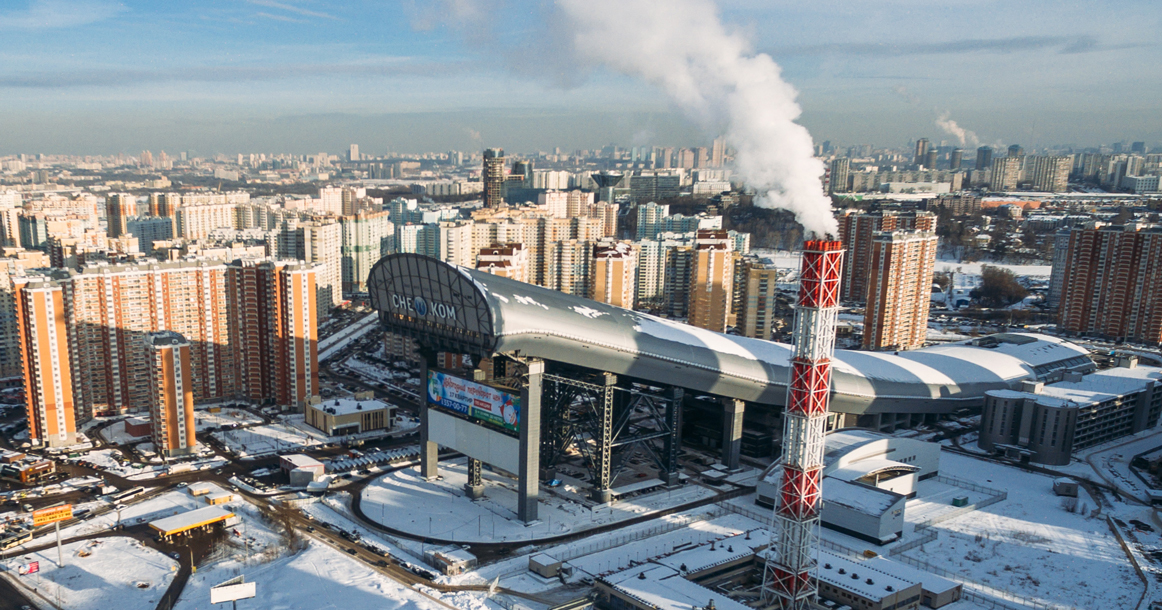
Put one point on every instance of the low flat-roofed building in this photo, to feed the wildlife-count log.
(219, 497)
(450, 560)
(202, 488)
(545, 565)
(295, 461)
(862, 585)
(28, 470)
(657, 587)
(862, 511)
(935, 591)
(343, 416)
(189, 521)
(1047, 423)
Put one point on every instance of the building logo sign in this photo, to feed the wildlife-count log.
(422, 308)
(475, 400)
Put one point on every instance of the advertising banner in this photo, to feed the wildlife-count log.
(474, 400)
(31, 568)
(45, 516)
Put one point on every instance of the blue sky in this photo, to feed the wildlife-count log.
(97, 76)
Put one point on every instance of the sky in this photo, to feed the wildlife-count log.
(304, 76)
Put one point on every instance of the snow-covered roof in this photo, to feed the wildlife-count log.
(347, 406)
(510, 316)
(663, 588)
(856, 574)
(929, 582)
(190, 519)
(863, 468)
(724, 551)
(1093, 388)
(861, 498)
(298, 460)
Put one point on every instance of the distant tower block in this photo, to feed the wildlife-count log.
(788, 580)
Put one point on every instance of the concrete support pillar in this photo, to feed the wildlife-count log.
(673, 442)
(529, 485)
(475, 485)
(732, 412)
(429, 451)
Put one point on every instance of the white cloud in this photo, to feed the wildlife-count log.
(53, 14)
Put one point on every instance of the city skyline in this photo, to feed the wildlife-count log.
(305, 76)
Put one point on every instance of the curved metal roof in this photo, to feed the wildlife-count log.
(544, 323)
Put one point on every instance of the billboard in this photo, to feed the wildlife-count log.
(230, 592)
(474, 400)
(52, 514)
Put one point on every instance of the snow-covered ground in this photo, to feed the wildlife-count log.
(1110, 462)
(203, 418)
(104, 459)
(116, 573)
(976, 268)
(1029, 544)
(335, 343)
(115, 434)
(405, 501)
(318, 578)
(269, 439)
(164, 505)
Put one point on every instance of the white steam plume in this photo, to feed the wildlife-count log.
(683, 47)
(962, 135)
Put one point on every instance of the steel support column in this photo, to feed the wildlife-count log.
(673, 441)
(429, 451)
(529, 485)
(732, 413)
(604, 441)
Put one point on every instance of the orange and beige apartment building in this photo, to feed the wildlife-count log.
(250, 328)
(712, 280)
(899, 290)
(171, 405)
(614, 274)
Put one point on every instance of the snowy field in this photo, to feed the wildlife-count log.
(116, 573)
(1110, 462)
(269, 439)
(976, 268)
(404, 501)
(115, 434)
(318, 578)
(226, 417)
(1029, 544)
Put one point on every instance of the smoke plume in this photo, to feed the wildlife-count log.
(962, 135)
(715, 78)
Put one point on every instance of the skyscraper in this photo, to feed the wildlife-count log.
(649, 219)
(171, 404)
(955, 158)
(921, 151)
(367, 237)
(899, 290)
(614, 274)
(711, 281)
(1051, 174)
(1015, 150)
(119, 208)
(930, 159)
(1113, 279)
(353, 152)
(493, 178)
(758, 315)
(984, 158)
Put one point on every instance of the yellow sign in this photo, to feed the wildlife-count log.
(53, 514)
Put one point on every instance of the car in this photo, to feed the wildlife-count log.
(351, 551)
(119, 507)
(381, 563)
(310, 528)
(182, 485)
(175, 555)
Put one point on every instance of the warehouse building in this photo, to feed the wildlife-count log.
(1047, 423)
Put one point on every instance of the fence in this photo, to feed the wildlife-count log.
(911, 544)
(995, 495)
(986, 595)
(762, 516)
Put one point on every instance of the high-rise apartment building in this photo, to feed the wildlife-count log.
(197, 221)
(857, 232)
(649, 219)
(614, 277)
(353, 153)
(921, 151)
(148, 229)
(119, 208)
(712, 281)
(838, 176)
(1113, 279)
(367, 237)
(758, 302)
(509, 260)
(274, 331)
(171, 405)
(1051, 174)
(11, 205)
(1006, 173)
(899, 290)
(955, 158)
(317, 241)
(569, 264)
(14, 263)
(48, 370)
(493, 178)
(984, 158)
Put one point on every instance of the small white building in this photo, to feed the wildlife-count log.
(301, 469)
